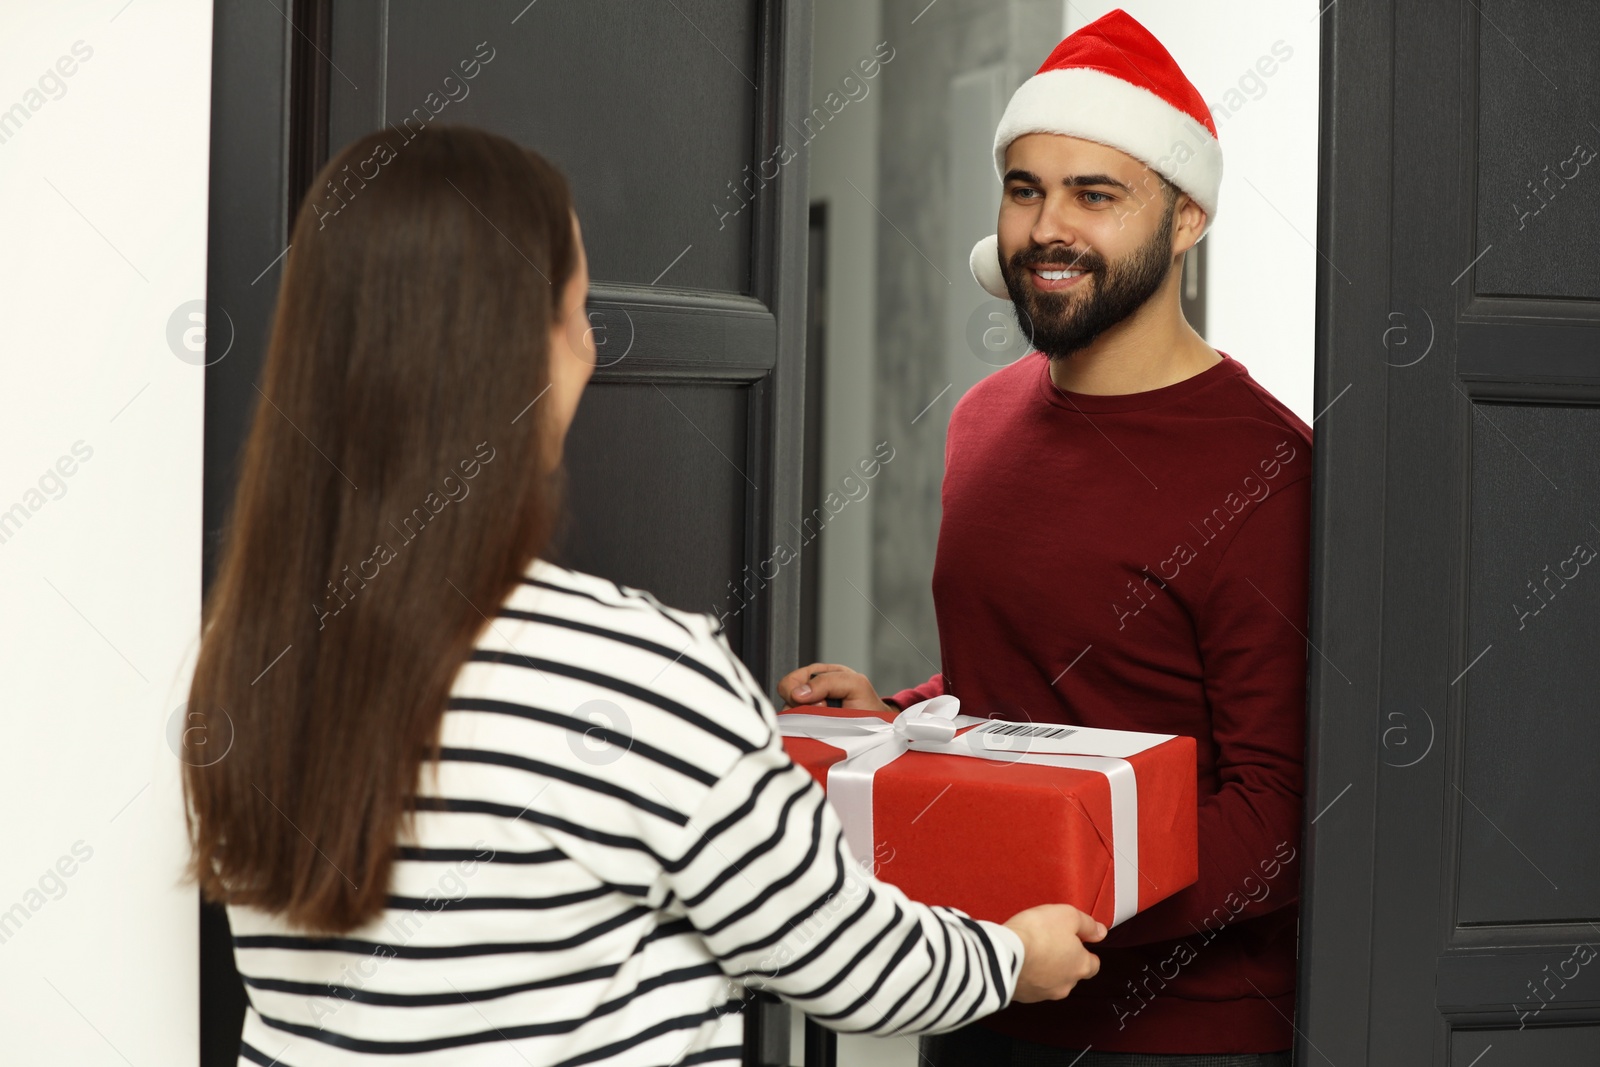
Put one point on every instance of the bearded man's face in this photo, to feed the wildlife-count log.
(1085, 239)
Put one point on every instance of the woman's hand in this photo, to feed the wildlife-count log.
(1054, 959)
(820, 682)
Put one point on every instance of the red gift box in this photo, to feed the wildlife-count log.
(993, 817)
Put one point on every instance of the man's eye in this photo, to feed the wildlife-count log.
(1024, 192)
(1103, 197)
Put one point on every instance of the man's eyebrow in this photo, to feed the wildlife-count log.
(1095, 179)
(1016, 174)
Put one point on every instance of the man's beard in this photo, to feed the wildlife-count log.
(1061, 323)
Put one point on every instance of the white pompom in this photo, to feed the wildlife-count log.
(985, 265)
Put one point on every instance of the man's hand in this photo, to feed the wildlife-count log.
(820, 682)
(1053, 957)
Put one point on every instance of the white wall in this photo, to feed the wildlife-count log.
(103, 182)
(1261, 299)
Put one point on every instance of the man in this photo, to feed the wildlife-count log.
(1124, 544)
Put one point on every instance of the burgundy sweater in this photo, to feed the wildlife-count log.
(1140, 562)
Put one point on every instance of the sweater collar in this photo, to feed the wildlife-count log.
(1096, 403)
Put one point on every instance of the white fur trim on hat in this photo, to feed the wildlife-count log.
(985, 265)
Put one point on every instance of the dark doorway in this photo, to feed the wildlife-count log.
(811, 482)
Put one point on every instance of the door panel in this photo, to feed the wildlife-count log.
(1526, 1048)
(651, 111)
(705, 423)
(1530, 173)
(1530, 735)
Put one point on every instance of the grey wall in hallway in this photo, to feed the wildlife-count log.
(919, 275)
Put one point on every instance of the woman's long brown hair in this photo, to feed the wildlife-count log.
(391, 492)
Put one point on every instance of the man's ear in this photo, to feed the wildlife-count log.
(1189, 222)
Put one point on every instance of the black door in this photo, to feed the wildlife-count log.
(1453, 884)
(671, 120)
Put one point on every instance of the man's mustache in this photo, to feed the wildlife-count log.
(1086, 260)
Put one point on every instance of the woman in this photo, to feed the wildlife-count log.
(475, 808)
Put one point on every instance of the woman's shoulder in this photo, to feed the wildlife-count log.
(575, 669)
(638, 641)
(600, 600)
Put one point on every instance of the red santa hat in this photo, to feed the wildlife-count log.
(1112, 82)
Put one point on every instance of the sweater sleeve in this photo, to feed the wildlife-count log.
(1251, 628)
(902, 700)
(764, 874)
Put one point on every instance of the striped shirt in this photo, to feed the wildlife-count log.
(614, 848)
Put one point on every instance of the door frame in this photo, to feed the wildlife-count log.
(1346, 593)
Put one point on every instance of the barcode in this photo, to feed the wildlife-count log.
(1023, 729)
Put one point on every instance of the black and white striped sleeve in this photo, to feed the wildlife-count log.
(763, 872)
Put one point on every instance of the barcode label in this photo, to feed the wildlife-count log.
(1024, 729)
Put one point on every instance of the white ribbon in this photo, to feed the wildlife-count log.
(870, 743)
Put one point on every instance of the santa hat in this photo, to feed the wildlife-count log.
(1112, 82)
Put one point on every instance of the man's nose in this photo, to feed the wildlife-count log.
(1054, 225)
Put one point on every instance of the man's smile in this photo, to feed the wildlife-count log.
(1054, 279)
